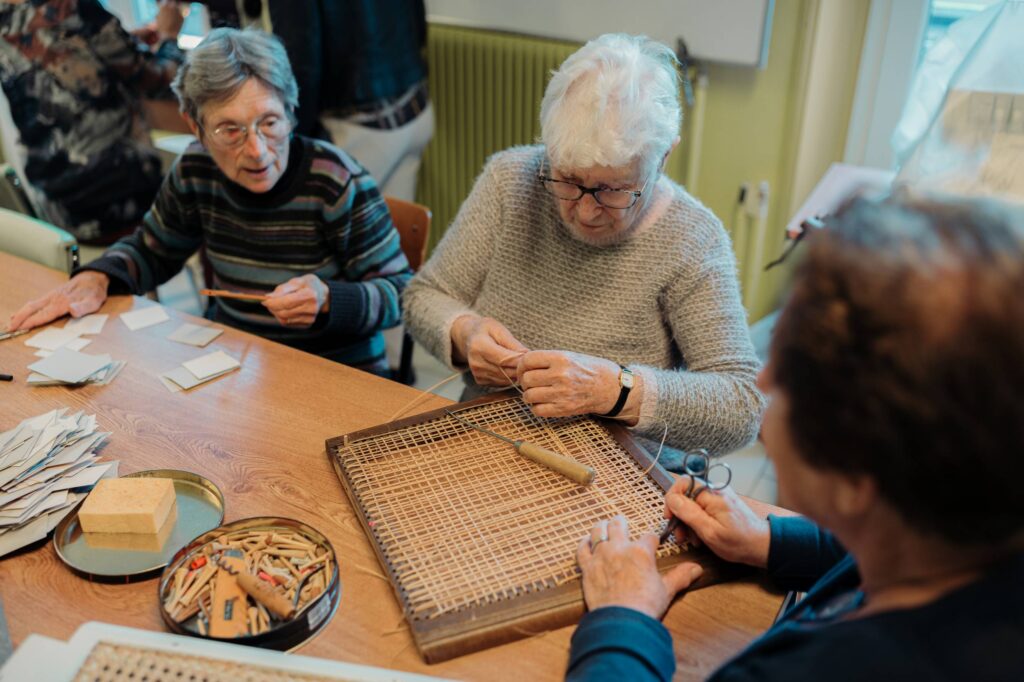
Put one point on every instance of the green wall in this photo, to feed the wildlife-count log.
(751, 122)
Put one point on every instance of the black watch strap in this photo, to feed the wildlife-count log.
(625, 388)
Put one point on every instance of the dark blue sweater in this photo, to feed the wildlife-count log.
(974, 633)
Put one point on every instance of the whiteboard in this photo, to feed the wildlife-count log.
(729, 31)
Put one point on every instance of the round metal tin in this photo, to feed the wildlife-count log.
(286, 636)
(199, 507)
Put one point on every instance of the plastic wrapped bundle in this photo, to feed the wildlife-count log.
(962, 129)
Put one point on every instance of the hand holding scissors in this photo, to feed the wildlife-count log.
(697, 465)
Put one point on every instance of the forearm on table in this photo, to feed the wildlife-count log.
(719, 412)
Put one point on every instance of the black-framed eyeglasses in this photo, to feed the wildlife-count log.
(609, 198)
(272, 128)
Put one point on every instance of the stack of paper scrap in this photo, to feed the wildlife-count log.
(66, 366)
(199, 371)
(52, 338)
(47, 465)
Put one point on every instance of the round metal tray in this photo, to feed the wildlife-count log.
(286, 636)
(200, 507)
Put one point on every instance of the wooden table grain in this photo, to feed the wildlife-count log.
(259, 434)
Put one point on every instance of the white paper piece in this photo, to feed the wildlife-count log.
(168, 384)
(70, 366)
(90, 324)
(194, 334)
(206, 366)
(85, 477)
(73, 344)
(17, 538)
(184, 379)
(144, 317)
(51, 338)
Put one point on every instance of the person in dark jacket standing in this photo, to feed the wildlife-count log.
(896, 426)
(362, 76)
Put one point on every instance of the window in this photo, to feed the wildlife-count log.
(135, 13)
(944, 13)
(898, 34)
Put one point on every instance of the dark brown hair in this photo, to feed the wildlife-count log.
(901, 352)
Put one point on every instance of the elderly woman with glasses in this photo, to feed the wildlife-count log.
(577, 270)
(277, 214)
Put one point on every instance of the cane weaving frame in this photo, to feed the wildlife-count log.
(478, 542)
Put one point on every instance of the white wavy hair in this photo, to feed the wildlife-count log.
(613, 101)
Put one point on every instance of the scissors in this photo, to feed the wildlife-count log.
(697, 465)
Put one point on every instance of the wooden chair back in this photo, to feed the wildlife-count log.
(412, 221)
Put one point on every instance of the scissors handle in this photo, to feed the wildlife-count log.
(670, 528)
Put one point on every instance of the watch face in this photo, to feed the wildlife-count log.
(626, 378)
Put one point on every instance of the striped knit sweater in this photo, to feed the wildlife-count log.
(665, 302)
(324, 216)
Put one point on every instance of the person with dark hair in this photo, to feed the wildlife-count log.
(896, 426)
(294, 219)
(75, 80)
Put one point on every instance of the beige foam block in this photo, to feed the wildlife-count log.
(135, 542)
(127, 505)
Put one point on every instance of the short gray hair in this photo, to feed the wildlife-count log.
(220, 65)
(613, 101)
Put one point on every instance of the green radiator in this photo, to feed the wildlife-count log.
(486, 88)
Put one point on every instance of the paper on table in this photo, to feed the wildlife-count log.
(51, 338)
(70, 366)
(25, 535)
(194, 334)
(73, 344)
(90, 324)
(88, 476)
(184, 379)
(144, 317)
(206, 366)
(168, 384)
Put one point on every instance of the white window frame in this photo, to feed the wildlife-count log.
(892, 46)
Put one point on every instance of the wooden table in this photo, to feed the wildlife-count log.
(259, 434)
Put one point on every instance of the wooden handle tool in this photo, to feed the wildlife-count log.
(224, 293)
(560, 464)
(259, 590)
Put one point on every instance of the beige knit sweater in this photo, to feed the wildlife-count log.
(665, 302)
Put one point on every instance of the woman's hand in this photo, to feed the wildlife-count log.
(82, 294)
(562, 383)
(722, 521)
(618, 571)
(297, 302)
(488, 348)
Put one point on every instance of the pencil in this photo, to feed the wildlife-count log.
(223, 293)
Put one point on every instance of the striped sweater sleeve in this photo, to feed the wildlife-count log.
(170, 233)
(374, 269)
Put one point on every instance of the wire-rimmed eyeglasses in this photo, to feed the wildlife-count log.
(273, 128)
(609, 198)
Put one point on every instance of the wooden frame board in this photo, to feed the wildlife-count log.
(477, 626)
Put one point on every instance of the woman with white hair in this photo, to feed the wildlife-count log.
(277, 214)
(578, 270)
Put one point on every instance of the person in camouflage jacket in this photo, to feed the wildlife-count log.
(74, 79)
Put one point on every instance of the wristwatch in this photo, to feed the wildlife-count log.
(626, 381)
